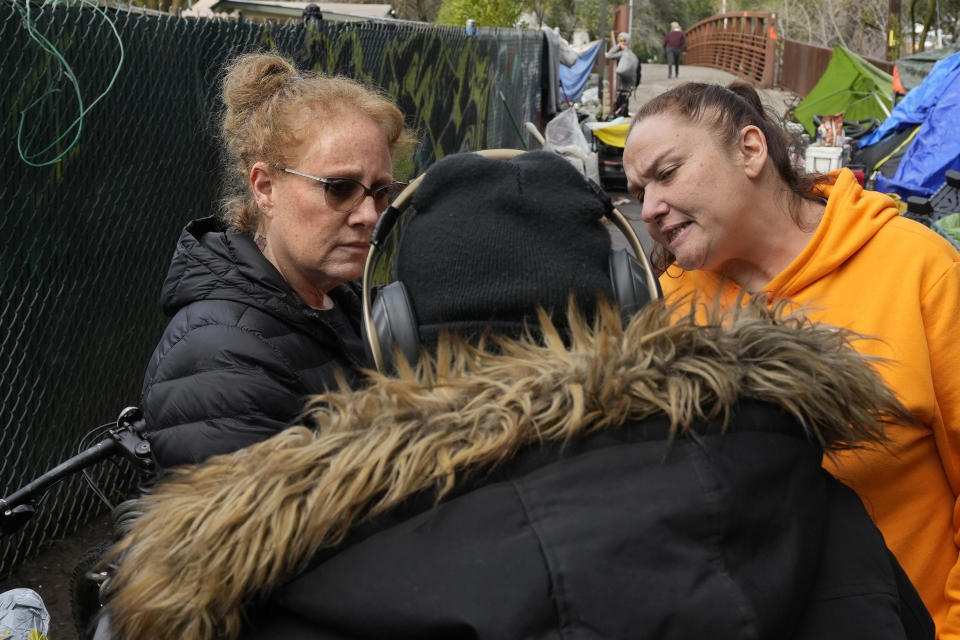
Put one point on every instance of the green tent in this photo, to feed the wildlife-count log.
(850, 85)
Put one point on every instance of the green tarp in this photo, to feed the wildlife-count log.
(915, 67)
(950, 224)
(850, 85)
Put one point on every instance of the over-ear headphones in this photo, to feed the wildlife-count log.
(390, 323)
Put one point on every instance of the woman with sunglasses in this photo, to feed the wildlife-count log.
(264, 309)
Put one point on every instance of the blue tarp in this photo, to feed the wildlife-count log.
(935, 106)
(574, 78)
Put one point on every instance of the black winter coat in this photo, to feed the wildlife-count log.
(621, 534)
(242, 351)
(586, 491)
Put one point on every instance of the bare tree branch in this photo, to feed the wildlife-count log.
(928, 19)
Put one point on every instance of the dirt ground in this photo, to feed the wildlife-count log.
(49, 574)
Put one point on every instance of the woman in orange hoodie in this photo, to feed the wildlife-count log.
(732, 216)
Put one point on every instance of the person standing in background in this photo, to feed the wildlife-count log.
(627, 66)
(674, 43)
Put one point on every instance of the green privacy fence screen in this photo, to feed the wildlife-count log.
(86, 240)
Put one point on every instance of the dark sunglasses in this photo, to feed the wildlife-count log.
(346, 194)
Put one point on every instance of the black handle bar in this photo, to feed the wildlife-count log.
(127, 438)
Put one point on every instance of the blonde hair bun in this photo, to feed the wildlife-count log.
(252, 79)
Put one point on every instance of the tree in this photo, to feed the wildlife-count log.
(419, 10)
(927, 21)
(561, 14)
(587, 15)
(859, 25)
(487, 13)
(937, 14)
(687, 13)
(652, 18)
(539, 8)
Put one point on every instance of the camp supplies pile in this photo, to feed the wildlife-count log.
(850, 85)
(912, 150)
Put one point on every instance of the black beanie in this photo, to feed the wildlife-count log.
(490, 240)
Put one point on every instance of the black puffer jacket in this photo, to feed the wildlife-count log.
(621, 534)
(242, 350)
(585, 492)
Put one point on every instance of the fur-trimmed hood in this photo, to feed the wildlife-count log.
(216, 536)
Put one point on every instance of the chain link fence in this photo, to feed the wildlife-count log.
(87, 239)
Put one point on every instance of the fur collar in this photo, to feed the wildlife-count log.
(216, 536)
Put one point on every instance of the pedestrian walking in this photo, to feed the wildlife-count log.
(674, 43)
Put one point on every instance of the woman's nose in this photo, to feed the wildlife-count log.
(366, 212)
(653, 207)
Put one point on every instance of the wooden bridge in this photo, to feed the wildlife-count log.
(747, 45)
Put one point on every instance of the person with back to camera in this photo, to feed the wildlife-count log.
(536, 476)
(674, 44)
(733, 217)
(628, 66)
(264, 312)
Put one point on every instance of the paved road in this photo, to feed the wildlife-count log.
(655, 82)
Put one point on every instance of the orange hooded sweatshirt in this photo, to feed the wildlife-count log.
(872, 271)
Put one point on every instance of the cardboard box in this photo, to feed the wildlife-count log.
(820, 159)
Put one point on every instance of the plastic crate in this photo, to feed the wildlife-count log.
(946, 200)
(820, 159)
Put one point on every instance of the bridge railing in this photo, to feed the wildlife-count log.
(743, 44)
(802, 64)
(746, 44)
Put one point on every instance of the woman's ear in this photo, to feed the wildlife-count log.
(753, 149)
(261, 183)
